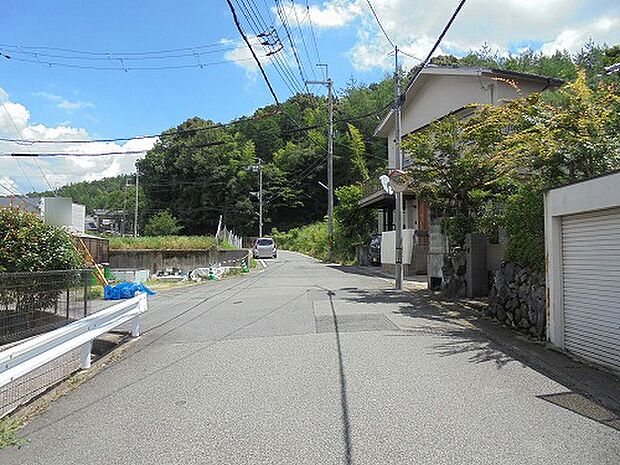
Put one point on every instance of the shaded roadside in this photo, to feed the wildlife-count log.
(462, 328)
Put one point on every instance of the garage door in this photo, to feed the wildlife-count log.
(591, 285)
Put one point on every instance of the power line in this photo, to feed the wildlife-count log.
(245, 38)
(435, 45)
(374, 13)
(114, 57)
(99, 154)
(51, 64)
(259, 25)
(303, 40)
(19, 133)
(101, 53)
(316, 48)
(284, 20)
(151, 136)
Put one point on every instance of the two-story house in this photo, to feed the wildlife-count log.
(436, 93)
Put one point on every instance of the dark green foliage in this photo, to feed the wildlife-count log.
(197, 181)
(353, 225)
(162, 224)
(526, 229)
(28, 244)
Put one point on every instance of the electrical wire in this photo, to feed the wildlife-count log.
(374, 13)
(151, 136)
(419, 69)
(19, 133)
(284, 20)
(246, 40)
(303, 40)
(316, 48)
(113, 57)
(259, 25)
(105, 54)
(52, 64)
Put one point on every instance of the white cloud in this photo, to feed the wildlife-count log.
(332, 14)
(58, 170)
(601, 30)
(240, 53)
(65, 104)
(414, 26)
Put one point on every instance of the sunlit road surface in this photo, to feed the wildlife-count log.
(304, 363)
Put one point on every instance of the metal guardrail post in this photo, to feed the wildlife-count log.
(85, 280)
(85, 351)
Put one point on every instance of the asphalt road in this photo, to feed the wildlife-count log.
(304, 363)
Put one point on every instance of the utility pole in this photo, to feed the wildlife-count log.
(330, 160)
(135, 213)
(254, 168)
(398, 234)
(260, 198)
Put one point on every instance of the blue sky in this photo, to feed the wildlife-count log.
(55, 102)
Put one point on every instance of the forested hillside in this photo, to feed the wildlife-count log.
(200, 170)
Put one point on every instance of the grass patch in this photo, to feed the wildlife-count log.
(168, 243)
(8, 433)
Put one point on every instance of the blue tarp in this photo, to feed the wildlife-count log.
(125, 291)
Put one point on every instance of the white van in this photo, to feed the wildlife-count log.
(265, 247)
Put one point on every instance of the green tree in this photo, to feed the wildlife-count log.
(199, 174)
(162, 224)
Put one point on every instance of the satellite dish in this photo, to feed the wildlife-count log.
(385, 182)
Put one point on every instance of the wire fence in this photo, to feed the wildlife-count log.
(37, 302)
(32, 304)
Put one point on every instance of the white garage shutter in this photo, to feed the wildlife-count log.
(591, 282)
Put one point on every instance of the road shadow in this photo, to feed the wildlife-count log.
(462, 328)
(375, 272)
(344, 404)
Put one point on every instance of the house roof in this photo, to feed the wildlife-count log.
(432, 70)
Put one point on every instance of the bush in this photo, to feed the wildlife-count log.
(525, 224)
(311, 239)
(28, 244)
(162, 224)
(353, 226)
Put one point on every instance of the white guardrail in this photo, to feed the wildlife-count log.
(23, 358)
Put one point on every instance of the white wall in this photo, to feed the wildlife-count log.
(388, 247)
(78, 217)
(595, 194)
(57, 211)
(436, 95)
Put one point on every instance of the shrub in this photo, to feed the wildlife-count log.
(162, 224)
(525, 225)
(28, 244)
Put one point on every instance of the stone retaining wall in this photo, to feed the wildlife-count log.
(517, 298)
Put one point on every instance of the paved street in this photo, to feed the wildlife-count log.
(304, 363)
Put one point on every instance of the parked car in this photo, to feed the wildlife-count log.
(265, 247)
(374, 250)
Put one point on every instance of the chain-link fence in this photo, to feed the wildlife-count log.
(37, 302)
